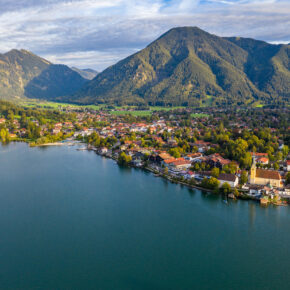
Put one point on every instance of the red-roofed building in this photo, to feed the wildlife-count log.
(180, 164)
(262, 160)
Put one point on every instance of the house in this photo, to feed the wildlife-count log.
(68, 125)
(172, 143)
(137, 162)
(231, 179)
(162, 156)
(265, 177)
(255, 190)
(287, 189)
(167, 162)
(58, 125)
(288, 165)
(2, 121)
(258, 155)
(201, 175)
(190, 174)
(180, 164)
(202, 146)
(22, 132)
(12, 135)
(103, 150)
(262, 160)
(56, 131)
(216, 160)
(193, 156)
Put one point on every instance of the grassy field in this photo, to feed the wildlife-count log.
(54, 105)
(134, 113)
(258, 105)
(120, 110)
(139, 113)
(159, 108)
(199, 115)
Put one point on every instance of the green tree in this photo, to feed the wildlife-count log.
(279, 156)
(124, 159)
(288, 178)
(236, 192)
(215, 172)
(244, 177)
(211, 183)
(4, 135)
(230, 168)
(174, 152)
(196, 166)
(166, 170)
(246, 160)
(226, 188)
(285, 151)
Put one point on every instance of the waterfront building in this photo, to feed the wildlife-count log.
(231, 179)
(264, 177)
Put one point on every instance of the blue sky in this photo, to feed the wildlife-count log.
(98, 33)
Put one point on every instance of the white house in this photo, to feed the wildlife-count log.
(103, 150)
(231, 179)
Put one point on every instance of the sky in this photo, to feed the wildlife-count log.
(98, 33)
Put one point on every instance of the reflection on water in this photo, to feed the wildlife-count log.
(252, 213)
(211, 197)
(192, 192)
(91, 224)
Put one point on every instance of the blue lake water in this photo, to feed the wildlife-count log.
(73, 220)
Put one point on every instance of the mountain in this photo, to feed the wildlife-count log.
(189, 66)
(87, 73)
(23, 73)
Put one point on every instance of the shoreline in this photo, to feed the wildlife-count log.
(242, 196)
(191, 186)
(72, 143)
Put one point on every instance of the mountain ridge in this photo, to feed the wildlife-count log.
(189, 66)
(86, 73)
(23, 73)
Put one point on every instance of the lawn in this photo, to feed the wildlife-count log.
(54, 105)
(133, 113)
(138, 113)
(122, 110)
(159, 108)
(198, 115)
(258, 105)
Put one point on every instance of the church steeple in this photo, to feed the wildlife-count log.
(253, 170)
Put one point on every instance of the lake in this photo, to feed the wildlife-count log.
(73, 220)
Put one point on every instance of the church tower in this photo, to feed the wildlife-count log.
(253, 171)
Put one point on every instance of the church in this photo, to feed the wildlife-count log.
(265, 177)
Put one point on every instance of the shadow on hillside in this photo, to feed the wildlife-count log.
(55, 81)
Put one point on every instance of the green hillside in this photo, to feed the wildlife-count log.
(23, 73)
(188, 66)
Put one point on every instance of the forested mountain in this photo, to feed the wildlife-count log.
(24, 73)
(87, 73)
(192, 67)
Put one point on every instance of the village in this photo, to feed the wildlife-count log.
(197, 169)
(199, 152)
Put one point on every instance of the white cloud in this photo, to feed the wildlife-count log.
(89, 59)
(97, 33)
